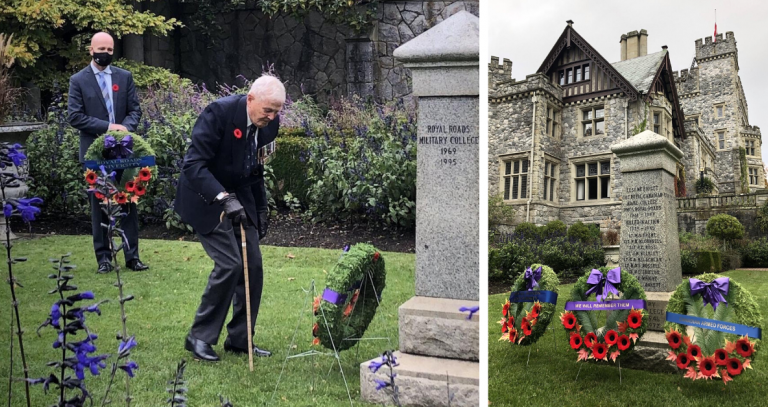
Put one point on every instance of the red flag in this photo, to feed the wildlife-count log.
(715, 32)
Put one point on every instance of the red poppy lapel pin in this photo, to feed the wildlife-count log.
(238, 133)
(115, 88)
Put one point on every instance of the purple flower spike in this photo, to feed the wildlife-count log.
(126, 346)
(375, 366)
(472, 310)
(8, 210)
(129, 368)
(27, 208)
(380, 384)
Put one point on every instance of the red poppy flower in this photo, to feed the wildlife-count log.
(708, 367)
(130, 186)
(674, 338)
(694, 351)
(568, 320)
(721, 357)
(316, 304)
(315, 341)
(121, 198)
(145, 174)
(504, 326)
(314, 329)
(535, 310)
(526, 327)
(623, 342)
(140, 189)
(590, 339)
(683, 361)
(576, 340)
(99, 195)
(734, 366)
(599, 350)
(611, 337)
(91, 177)
(513, 335)
(505, 308)
(744, 347)
(238, 133)
(115, 88)
(376, 257)
(635, 319)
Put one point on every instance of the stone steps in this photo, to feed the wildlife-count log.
(435, 327)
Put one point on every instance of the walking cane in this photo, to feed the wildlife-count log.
(247, 295)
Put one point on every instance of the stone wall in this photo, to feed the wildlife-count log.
(312, 55)
(693, 213)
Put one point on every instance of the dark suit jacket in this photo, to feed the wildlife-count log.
(88, 111)
(215, 162)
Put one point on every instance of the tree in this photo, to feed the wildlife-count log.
(51, 36)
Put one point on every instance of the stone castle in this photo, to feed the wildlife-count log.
(550, 134)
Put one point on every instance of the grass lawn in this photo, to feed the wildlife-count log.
(166, 299)
(549, 380)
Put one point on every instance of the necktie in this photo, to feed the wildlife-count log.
(250, 153)
(106, 95)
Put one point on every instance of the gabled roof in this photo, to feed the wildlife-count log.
(570, 37)
(641, 71)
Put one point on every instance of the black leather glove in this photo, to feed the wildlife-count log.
(263, 224)
(233, 209)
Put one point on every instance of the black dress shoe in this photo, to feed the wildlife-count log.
(136, 265)
(104, 268)
(262, 353)
(200, 350)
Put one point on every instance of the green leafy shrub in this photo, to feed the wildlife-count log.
(555, 228)
(697, 243)
(565, 255)
(585, 233)
(755, 254)
(498, 212)
(687, 262)
(528, 230)
(288, 165)
(700, 262)
(704, 186)
(725, 227)
(56, 174)
(762, 218)
(368, 173)
(145, 76)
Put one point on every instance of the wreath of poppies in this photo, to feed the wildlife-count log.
(133, 182)
(350, 299)
(523, 323)
(704, 353)
(623, 327)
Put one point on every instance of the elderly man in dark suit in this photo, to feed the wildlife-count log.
(223, 174)
(103, 98)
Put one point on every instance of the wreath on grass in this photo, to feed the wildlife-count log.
(707, 353)
(623, 327)
(523, 323)
(349, 302)
(133, 182)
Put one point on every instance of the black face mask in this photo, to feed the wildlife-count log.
(102, 58)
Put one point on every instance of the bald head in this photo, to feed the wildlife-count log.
(265, 100)
(102, 47)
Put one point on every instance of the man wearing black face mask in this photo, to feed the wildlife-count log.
(103, 98)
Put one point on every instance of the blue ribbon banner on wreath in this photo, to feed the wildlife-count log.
(121, 163)
(533, 296)
(715, 325)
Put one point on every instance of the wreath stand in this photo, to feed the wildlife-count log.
(312, 293)
(581, 364)
(554, 346)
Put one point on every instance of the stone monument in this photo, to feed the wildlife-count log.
(439, 347)
(649, 238)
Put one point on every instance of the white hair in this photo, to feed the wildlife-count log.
(269, 87)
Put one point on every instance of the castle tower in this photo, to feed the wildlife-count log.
(712, 95)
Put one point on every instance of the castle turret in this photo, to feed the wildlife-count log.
(498, 73)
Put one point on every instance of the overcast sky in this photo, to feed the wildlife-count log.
(524, 31)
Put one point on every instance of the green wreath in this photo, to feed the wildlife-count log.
(141, 148)
(523, 323)
(711, 353)
(351, 297)
(622, 330)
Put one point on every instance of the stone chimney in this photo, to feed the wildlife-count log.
(634, 44)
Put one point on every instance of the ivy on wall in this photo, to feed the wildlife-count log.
(743, 163)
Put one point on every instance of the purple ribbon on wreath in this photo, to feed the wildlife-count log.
(116, 150)
(532, 278)
(711, 293)
(603, 284)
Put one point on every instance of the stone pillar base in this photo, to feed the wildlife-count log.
(425, 381)
(656, 304)
(435, 327)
